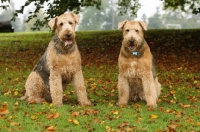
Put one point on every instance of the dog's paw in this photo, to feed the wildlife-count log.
(152, 105)
(120, 104)
(58, 104)
(86, 103)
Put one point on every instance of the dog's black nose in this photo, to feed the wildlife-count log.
(131, 42)
(68, 35)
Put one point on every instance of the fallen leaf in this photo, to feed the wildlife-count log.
(16, 93)
(115, 112)
(33, 117)
(75, 114)
(186, 106)
(75, 122)
(14, 124)
(53, 116)
(4, 112)
(51, 128)
(198, 124)
(152, 116)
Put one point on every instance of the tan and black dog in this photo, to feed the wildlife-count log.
(137, 77)
(59, 65)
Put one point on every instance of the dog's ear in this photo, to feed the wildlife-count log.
(143, 25)
(52, 23)
(121, 24)
(76, 17)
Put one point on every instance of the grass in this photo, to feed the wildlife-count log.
(178, 106)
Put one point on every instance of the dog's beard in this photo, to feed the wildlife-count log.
(131, 47)
(68, 42)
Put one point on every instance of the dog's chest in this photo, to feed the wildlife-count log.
(131, 69)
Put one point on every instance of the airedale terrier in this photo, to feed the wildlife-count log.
(137, 77)
(59, 65)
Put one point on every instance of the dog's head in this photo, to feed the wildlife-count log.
(64, 26)
(133, 33)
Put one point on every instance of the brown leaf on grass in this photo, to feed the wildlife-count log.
(3, 110)
(53, 116)
(90, 111)
(172, 127)
(74, 121)
(14, 124)
(123, 125)
(75, 113)
(51, 128)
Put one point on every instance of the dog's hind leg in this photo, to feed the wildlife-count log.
(34, 89)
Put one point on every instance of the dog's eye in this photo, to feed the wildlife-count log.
(70, 23)
(137, 30)
(127, 30)
(61, 24)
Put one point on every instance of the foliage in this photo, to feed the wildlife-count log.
(155, 21)
(185, 20)
(40, 16)
(178, 72)
(184, 5)
(104, 19)
(6, 15)
(58, 7)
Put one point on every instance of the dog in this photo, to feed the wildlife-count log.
(137, 76)
(59, 65)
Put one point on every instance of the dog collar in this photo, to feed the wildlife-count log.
(135, 53)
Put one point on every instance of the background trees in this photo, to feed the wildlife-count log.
(105, 18)
(105, 12)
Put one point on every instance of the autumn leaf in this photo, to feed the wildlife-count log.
(152, 116)
(51, 128)
(53, 116)
(14, 124)
(3, 110)
(115, 112)
(75, 114)
(123, 124)
(33, 117)
(75, 122)
(90, 111)
(198, 124)
(172, 127)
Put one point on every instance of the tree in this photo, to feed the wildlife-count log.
(155, 21)
(187, 21)
(184, 5)
(104, 19)
(30, 24)
(130, 7)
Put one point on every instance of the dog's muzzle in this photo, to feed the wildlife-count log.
(131, 45)
(68, 39)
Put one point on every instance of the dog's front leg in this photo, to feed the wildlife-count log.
(80, 89)
(123, 89)
(150, 92)
(56, 90)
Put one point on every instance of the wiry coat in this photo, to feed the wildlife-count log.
(137, 77)
(59, 65)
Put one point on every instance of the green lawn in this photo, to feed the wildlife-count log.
(177, 64)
